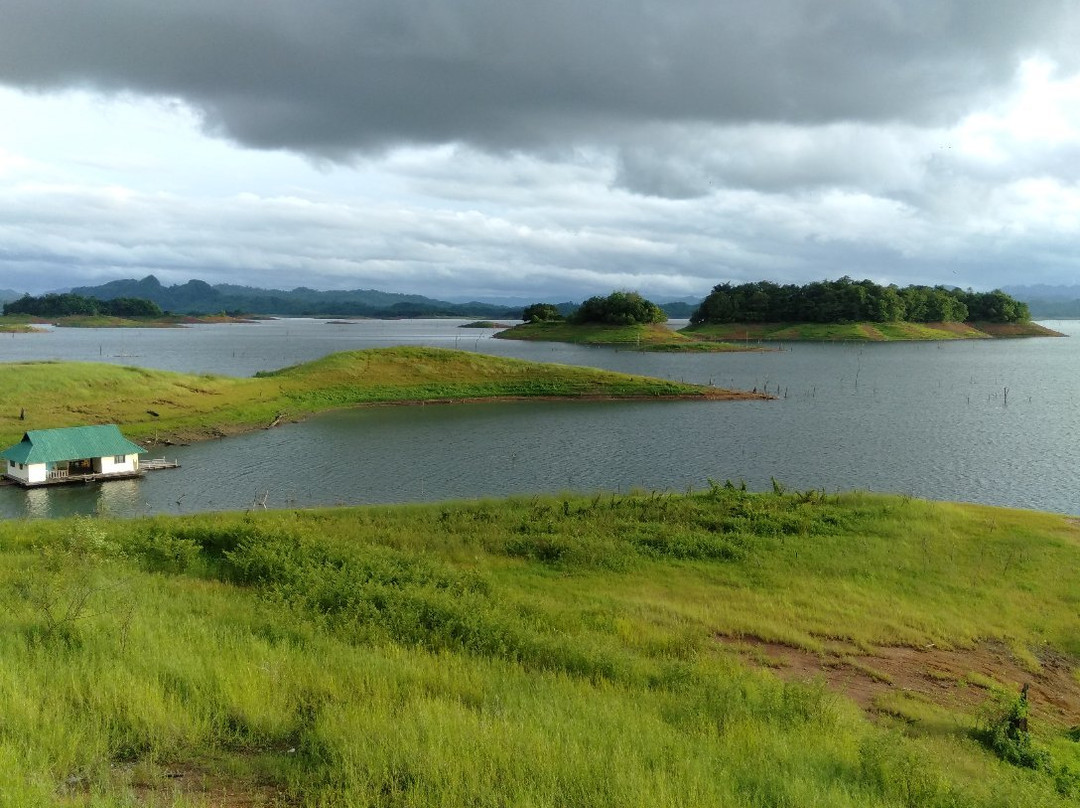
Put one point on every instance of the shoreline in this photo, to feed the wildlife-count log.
(163, 407)
(222, 431)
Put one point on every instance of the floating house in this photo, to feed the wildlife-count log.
(72, 454)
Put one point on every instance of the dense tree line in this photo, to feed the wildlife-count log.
(542, 313)
(619, 308)
(68, 304)
(845, 300)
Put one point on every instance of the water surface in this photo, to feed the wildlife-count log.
(978, 421)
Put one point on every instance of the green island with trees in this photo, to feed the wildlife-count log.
(823, 311)
(159, 406)
(716, 647)
(624, 319)
(78, 311)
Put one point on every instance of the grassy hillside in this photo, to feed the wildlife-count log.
(159, 405)
(583, 651)
(651, 337)
(864, 332)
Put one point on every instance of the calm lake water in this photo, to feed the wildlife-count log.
(925, 419)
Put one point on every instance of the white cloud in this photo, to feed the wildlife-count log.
(93, 189)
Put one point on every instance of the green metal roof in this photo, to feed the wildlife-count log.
(71, 443)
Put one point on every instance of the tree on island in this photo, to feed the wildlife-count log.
(541, 313)
(619, 308)
(67, 305)
(846, 300)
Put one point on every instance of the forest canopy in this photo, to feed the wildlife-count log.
(67, 304)
(846, 300)
(619, 308)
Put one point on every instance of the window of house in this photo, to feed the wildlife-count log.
(119, 458)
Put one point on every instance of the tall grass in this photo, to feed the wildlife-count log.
(533, 651)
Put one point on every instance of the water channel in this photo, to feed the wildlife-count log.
(926, 419)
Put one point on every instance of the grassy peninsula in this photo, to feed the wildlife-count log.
(24, 323)
(155, 405)
(714, 648)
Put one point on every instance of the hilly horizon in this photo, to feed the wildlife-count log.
(199, 297)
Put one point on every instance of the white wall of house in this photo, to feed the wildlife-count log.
(27, 473)
(116, 465)
(34, 473)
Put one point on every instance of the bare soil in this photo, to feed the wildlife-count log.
(956, 678)
(153, 784)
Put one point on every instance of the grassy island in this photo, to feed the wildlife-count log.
(713, 648)
(863, 331)
(639, 336)
(484, 324)
(155, 405)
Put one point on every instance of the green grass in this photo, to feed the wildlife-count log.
(861, 332)
(543, 651)
(38, 395)
(17, 324)
(654, 337)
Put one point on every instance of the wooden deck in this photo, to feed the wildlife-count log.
(158, 463)
(64, 478)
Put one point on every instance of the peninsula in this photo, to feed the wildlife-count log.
(162, 406)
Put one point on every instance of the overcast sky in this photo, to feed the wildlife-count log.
(549, 150)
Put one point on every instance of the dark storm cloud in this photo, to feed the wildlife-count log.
(333, 77)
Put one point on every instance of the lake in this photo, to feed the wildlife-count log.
(992, 421)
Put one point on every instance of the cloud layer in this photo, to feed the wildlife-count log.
(485, 147)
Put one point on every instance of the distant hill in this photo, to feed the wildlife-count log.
(199, 297)
(1049, 302)
(7, 295)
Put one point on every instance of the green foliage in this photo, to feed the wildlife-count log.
(68, 304)
(619, 308)
(69, 581)
(846, 300)
(541, 313)
(1004, 730)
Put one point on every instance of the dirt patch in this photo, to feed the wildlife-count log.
(954, 678)
(163, 784)
(1025, 329)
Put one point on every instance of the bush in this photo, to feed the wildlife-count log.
(619, 308)
(1005, 731)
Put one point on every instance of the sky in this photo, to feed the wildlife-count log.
(547, 150)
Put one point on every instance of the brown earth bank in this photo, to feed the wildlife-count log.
(183, 437)
(954, 678)
(1027, 329)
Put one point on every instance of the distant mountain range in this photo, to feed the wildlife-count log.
(199, 297)
(1048, 302)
